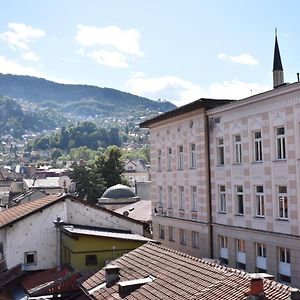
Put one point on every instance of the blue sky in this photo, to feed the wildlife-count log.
(174, 50)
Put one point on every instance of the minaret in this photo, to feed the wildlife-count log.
(278, 79)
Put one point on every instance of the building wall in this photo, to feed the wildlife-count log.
(263, 113)
(181, 131)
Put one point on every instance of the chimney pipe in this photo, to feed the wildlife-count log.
(256, 288)
(112, 274)
(298, 76)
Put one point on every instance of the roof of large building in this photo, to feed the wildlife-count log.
(201, 103)
(49, 182)
(118, 191)
(156, 272)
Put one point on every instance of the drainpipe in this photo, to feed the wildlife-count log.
(209, 187)
(58, 223)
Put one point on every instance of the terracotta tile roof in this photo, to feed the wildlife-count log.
(51, 282)
(178, 276)
(16, 213)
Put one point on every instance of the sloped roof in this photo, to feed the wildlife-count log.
(177, 276)
(49, 182)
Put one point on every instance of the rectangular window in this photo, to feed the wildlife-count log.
(258, 154)
(239, 200)
(220, 151)
(280, 143)
(223, 249)
(171, 234)
(241, 254)
(194, 198)
(159, 160)
(237, 141)
(170, 197)
(30, 258)
(222, 197)
(169, 159)
(161, 229)
(284, 265)
(260, 201)
(193, 156)
(182, 236)
(91, 260)
(195, 239)
(283, 202)
(181, 197)
(180, 158)
(261, 257)
(160, 194)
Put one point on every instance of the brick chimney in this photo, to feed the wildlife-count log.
(112, 274)
(295, 294)
(256, 288)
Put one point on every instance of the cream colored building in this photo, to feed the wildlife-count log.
(179, 178)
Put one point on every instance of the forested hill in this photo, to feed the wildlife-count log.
(77, 99)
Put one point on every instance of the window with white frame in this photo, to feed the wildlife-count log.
(194, 198)
(180, 157)
(182, 236)
(181, 197)
(193, 156)
(220, 152)
(239, 199)
(280, 143)
(30, 258)
(159, 160)
(160, 194)
(195, 239)
(284, 265)
(223, 249)
(161, 230)
(240, 254)
(260, 200)
(171, 234)
(237, 145)
(283, 205)
(258, 150)
(169, 159)
(170, 197)
(222, 198)
(261, 258)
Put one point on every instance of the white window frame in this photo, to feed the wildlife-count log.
(220, 152)
(283, 202)
(280, 143)
(284, 261)
(239, 196)
(194, 198)
(180, 157)
(161, 231)
(160, 194)
(193, 159)
(258, 149)
(259, 201)
(181, 197)
(169, 159)
(159, 168)
(261, 256)
(170, 196)
(171, 234)
(222, 198)
(223, 246)
(31, 253)
(195, 239)
(182, 236)
(237, 145)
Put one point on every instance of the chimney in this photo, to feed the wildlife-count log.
(112, 274)
(129, 286)
(295, 294)
(256, 288)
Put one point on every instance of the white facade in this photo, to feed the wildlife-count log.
(35, 235)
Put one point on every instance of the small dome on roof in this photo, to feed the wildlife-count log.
(118, 191)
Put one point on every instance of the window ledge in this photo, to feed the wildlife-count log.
(257, 162)
(282, 219)
(237, 164)
(239, 215)
(279, 160)
(220, 165)
(222, 212)
(260, 217)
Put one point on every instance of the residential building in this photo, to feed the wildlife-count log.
(136, 171)
(180, 179)
(155, 272)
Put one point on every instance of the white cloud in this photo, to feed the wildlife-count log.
(244, 59)
(108, 58)
(126, 41)
(30, 56)
(12, 67)
(20, 35)
(180, 91)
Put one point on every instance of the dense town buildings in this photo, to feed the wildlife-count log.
(239, 202)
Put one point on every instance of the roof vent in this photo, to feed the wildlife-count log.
(127, 287)
(112, 274)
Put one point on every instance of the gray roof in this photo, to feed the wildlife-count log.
(118, 191)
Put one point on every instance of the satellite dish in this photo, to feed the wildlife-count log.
(64, 182)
